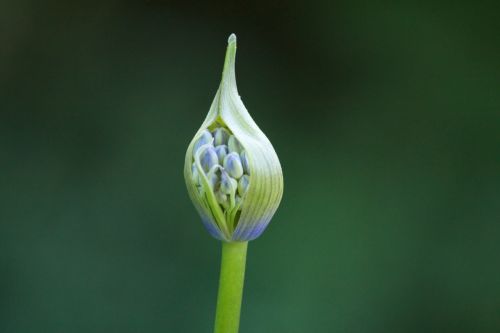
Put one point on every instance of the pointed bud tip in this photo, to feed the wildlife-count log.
(231, 39)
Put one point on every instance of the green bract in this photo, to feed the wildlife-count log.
(232, 172)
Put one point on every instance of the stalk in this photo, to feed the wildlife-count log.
(232, 275)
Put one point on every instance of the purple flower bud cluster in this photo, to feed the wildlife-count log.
(224, 163)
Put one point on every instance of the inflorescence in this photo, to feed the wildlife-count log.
(223, 161)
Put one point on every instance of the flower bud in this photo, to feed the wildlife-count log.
(243, 185)
(232, 164)
(233, 145)
(227, 184)
(244, 162)
(221, 136)
(208, 158)
(232, 172)
(205, 138)
(221, 152)
(213, 179)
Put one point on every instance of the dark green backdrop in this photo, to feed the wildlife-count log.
(386, 120)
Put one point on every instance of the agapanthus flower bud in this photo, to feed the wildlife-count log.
(232, 172)
(228, 185)
(233, 145)
(232, 164)
(221, 151)
(221, 135)
(208, 158)
(243, 185)
(244, 162)
(212, 177)
(205, 138)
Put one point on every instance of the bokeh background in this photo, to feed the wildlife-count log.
(385, 116)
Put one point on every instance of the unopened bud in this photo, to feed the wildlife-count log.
(233, 177)
(208, 158)
(221, 153)
(243, 185)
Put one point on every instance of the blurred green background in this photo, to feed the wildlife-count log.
(386, 120)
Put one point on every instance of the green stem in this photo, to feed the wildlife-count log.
(232, 275)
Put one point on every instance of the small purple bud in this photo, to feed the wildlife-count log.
(227, 184)
(221, 153)
(232, 164)
(208, 159)
(244, 162)
(212, 179)
(221, 136)
(205, 138)
(234, 145)
(243, 185)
